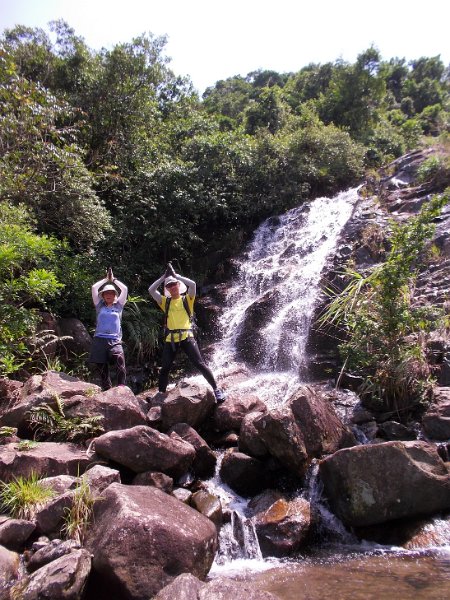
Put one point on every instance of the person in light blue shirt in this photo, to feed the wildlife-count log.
(109, 296)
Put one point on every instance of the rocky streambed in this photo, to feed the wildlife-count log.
(154, 517)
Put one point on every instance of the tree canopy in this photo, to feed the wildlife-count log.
(117, 158)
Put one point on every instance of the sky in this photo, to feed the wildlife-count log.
(209, 40)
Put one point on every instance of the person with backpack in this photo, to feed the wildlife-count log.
(109, 296)
(178, 308)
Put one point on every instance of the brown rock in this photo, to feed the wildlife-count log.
(323, 431)
(158, 536)
(362, 491)
(118, 407)
(283, 527)
(145, 449)
(231, 413)
(46, 459)
(205, 460)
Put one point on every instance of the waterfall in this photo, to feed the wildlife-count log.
(279, 274)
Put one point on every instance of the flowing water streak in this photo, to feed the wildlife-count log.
(285, 258)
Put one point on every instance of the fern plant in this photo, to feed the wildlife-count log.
(52, 424)
(24, 496)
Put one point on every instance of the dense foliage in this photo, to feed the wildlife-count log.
(118, 161)
(385, 329)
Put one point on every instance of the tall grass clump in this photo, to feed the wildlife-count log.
(24, 496)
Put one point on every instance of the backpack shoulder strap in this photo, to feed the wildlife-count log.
(166, 310)
(186, 307)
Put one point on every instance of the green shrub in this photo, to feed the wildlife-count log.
(384, 332)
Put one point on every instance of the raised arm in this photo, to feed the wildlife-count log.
(123, 291)
(95, 288)
(153, 290)
(191, 285)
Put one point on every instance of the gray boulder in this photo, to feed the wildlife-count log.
(118, 406)
(371, 484)
(158, 537)
(62, 579)
(45, 459)
(189, 403)
(77, 342)
(145, 449)
(14, 533)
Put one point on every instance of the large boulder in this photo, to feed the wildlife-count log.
(371, 484)
(141, 539)
(189, 403)
(46, 459)
(283, 438)
(40, 389)
(231, 413)
(323, 431)
(118, 407)
(145, 449)
(77, 339)
(14, 533)
(250, 441)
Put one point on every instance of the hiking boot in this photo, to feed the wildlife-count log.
(220, 396)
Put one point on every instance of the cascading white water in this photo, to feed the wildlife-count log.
(285, 260)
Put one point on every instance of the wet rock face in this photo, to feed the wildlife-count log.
(250, 342)
(362, 491)
(283, 527)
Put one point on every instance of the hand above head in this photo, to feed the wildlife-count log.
(170, 271)
(109, 274)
